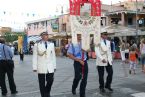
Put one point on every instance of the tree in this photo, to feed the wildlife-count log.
(12, 36)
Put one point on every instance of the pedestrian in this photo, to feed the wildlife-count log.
(134, 44)
(104, 61)
(113, 49)
(44, 63)
(133, 60)
(142, 52)
(76, 53)
(6, 67)
(124, 55)
(122, 51)
(21, 53)
(127, 46)
(12, 48)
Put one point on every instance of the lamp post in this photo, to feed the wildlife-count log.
(136, 22)
(62, 14)
(120, 3)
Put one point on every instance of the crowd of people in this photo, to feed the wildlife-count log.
(133, 54)
(44, 63)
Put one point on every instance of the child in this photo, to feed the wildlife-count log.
(132, 60)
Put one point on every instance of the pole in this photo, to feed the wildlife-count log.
(62, 23)
(136, 23)
(62, 18)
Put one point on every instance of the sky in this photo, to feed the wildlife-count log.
(15, 13)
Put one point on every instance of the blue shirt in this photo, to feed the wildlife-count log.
(112, 46)
(8, 55)
(76, 50)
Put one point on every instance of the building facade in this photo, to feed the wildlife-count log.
(125, 19)
(3, 30)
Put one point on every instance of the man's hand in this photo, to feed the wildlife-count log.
(104, 61)
(86, 50)
(34, 70)
(82, 62)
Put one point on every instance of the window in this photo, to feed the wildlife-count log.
(64, 27)
(130, 21)
(42, 23)
(115, 20)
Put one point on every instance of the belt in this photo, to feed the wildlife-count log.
(6, 60)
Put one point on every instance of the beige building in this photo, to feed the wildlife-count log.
(124, 19)
(46, 24)
(129, 14)
(4, 30)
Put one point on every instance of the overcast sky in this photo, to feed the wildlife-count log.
(15, 13)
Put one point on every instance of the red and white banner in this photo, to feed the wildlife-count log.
(75, 6)
(85, 16)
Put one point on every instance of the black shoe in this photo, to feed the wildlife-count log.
(129, 71)
(82, 96)
(110, 89)
(4, 94)
(74, 92)
(49, 95)
(102, 90)
(15, 92)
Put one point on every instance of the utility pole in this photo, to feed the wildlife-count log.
(62, 30)
(136, 22)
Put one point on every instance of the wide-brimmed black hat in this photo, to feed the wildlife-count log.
(104, 32)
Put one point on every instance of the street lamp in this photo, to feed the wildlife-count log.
(120, 3)
(136, 22)
(62, 14)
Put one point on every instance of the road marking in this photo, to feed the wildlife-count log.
(24, 93)
(128, 90)
(142, 94)
(38, 91)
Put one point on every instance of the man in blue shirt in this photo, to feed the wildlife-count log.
(79, 56)
(6, 66)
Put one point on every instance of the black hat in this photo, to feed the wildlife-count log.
(105, 32)
(43, 33)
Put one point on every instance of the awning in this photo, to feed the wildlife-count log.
(61, 35)
(119, 30)
(125, 11)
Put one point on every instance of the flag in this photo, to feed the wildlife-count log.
(25, 44)
(20, 43)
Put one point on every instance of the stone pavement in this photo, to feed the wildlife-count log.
(27, 82)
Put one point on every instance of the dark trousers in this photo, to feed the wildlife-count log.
(45, 83)
(7, 68)
(78, 76)
(109, 70)
(21, 57)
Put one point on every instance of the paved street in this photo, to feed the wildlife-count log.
(27, 82)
